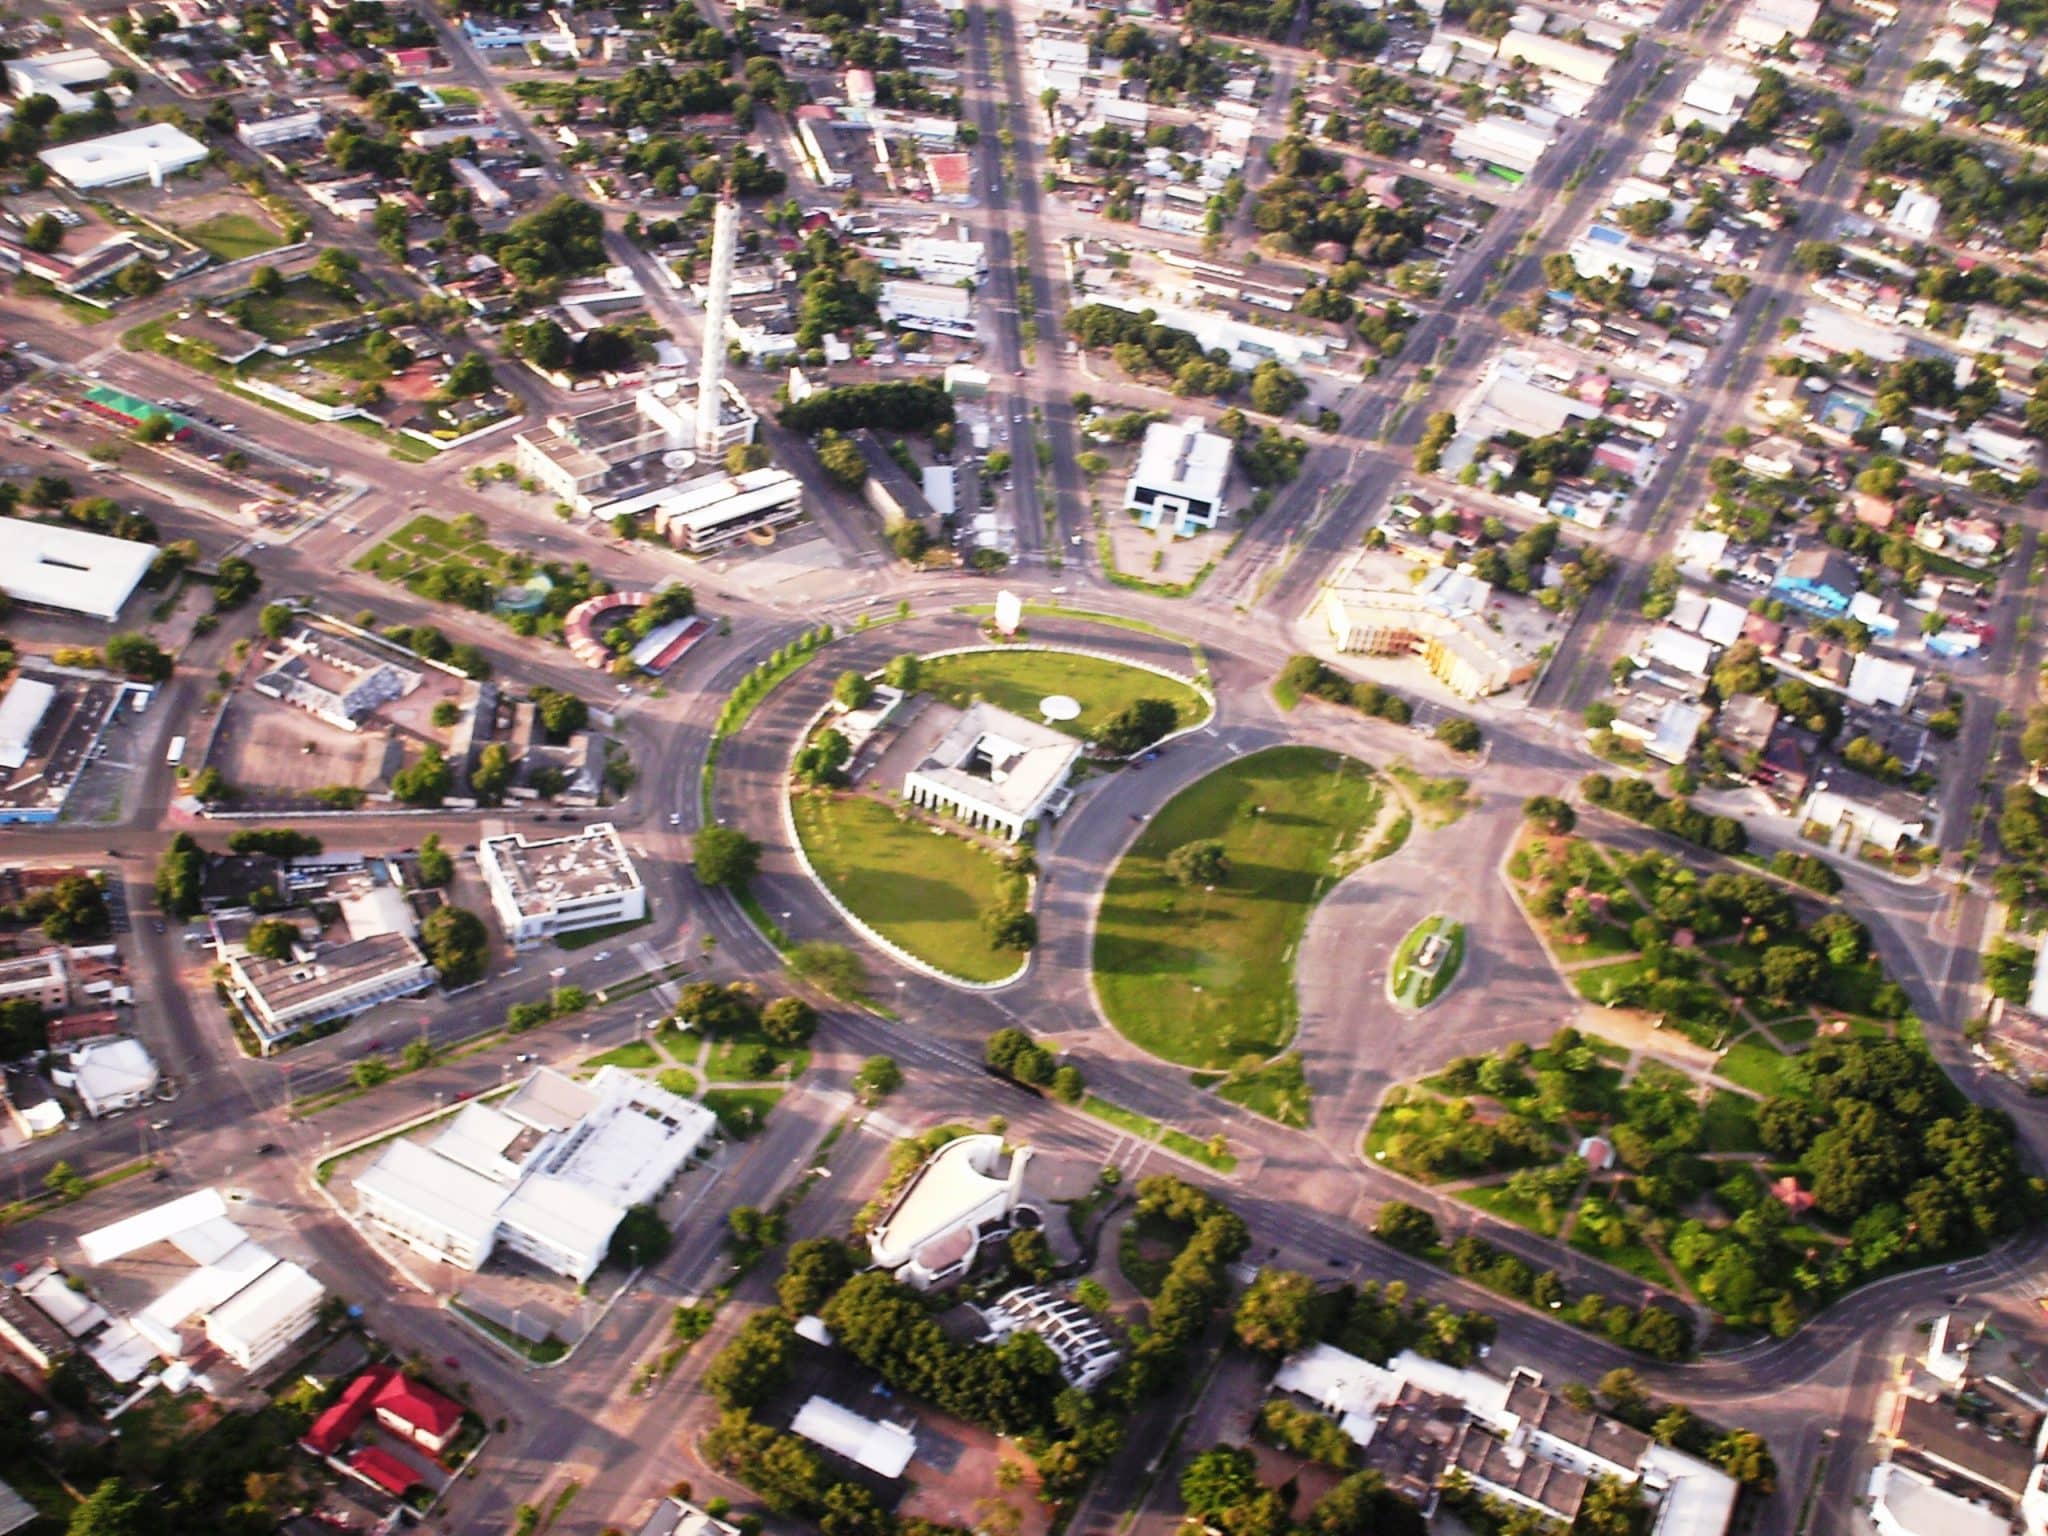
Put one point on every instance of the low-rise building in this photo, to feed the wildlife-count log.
(41, 977)
(548, 1174)
(964, 1193)
(1440, 621)
(109, 1075)
(710, 513)
(149, 153)
(1862, 810)
(1180, 477)
(68, 76)
(995, 771)
(561, 884)
(1908, 1503)
(71, 570)
(279, 998)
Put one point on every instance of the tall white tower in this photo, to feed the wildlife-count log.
(725, 228)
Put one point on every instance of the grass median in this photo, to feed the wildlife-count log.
(1019, 680)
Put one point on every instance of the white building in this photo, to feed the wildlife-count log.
(109, 1075)
(935, 259)
(1078, 1340)
(1764, 24)
(548, 1174)
(882, 1448)
(267, 132)
(149, 153)
(1906, 1503)
(932, 1233)
(1180, 477)
(1859, 810)
(995, 771)
(256, 1324)
(68, 569)
(561, 884)
(21, 713)
(68, 77)
(1513, 145)
(710, 513)
(945, 308)
(1555, 56)
(1604, 251)
(253, 1304)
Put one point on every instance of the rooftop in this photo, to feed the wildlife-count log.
(283, 985)
(68, 568)
(1183, 458)
(543, 875)
(1001, 758)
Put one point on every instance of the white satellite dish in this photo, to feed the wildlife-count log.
(1009, 612)
(1058, 707)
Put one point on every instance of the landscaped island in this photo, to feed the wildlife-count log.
(1194, 958)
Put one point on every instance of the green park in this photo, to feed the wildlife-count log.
(1018, 680)
(1199, 926)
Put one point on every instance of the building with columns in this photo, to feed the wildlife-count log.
(996, 771)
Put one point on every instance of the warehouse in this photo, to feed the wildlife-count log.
(149, 153)
(70, 570)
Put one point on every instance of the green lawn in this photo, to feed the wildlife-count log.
(293, 310)
(1753, 1064)
(232, 236)
(636, 1055)
(1414, 989)
(1276, 1090)
(1197, 1149)
(423, 544)
(1610, 983)
(741, 1111)
(752, 1057)
(1496, 1201)
(1205, 978)
(1017, 680)
(916, 887)
(679, 1081)
(1128, 1120)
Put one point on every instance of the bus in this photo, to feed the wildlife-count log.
(177, 753)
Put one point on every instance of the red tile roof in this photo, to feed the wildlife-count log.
(332, 1429)
(421, 1407)
(384, 1469)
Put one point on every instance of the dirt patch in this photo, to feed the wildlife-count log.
(958, 1479)
(266, 746)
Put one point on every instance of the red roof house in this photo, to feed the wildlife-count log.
(384, 1469)
(418, 1413)
(345, 1416)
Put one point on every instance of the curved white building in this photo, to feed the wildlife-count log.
(965, 1192)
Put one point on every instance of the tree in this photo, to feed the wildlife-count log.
(1010, 927)
(64, 1181)
(272, 938)
(370, 1071)
(741, 458)
(822, 760)
(1030, 1255)
(640, 1238)
(1277, 1314)
(878, 1077)
(1612, 1508)
(1790, 972)
(842, 459)
(44, 234)
(755, 1365)
(235, 581)
(1458, 733)
(275, 619)
(457, 943)
(1550, 813)
(831, 968)
(424, 781)
(1136, 726)
(76, 909)
(492, 774)
(903, 672)
(815, 1268)
(436, 866)
(753, 1229)
(719, 1010)
(1201, 862)
(561, 714)
(725, 856)
(1068, 1086)
(179, 869)
(1218, 1480)
(115, 1509)
(1407, 1227)
(910, 540)
(789, 1021)
(139, 657)
(470, 376)
(852, 690)
(542, 343)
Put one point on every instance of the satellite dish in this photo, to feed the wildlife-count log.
(1059, 707)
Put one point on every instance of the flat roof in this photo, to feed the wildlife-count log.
(884, 1449)
(21, 711)
(68, 568)
(542, 875)
(158, 1224)
(1024, 759)
(286, 984)
(1182, 458)
(153, 149)
(282, 1291)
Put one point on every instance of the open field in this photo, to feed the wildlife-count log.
(1018, 680)
(916, 886)
(230, 236)
(1206, 977)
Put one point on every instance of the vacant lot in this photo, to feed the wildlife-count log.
(916, 886)
(269, 747)
(1207, 977)
(294, 309)
(1019, 680)
(230, 235)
